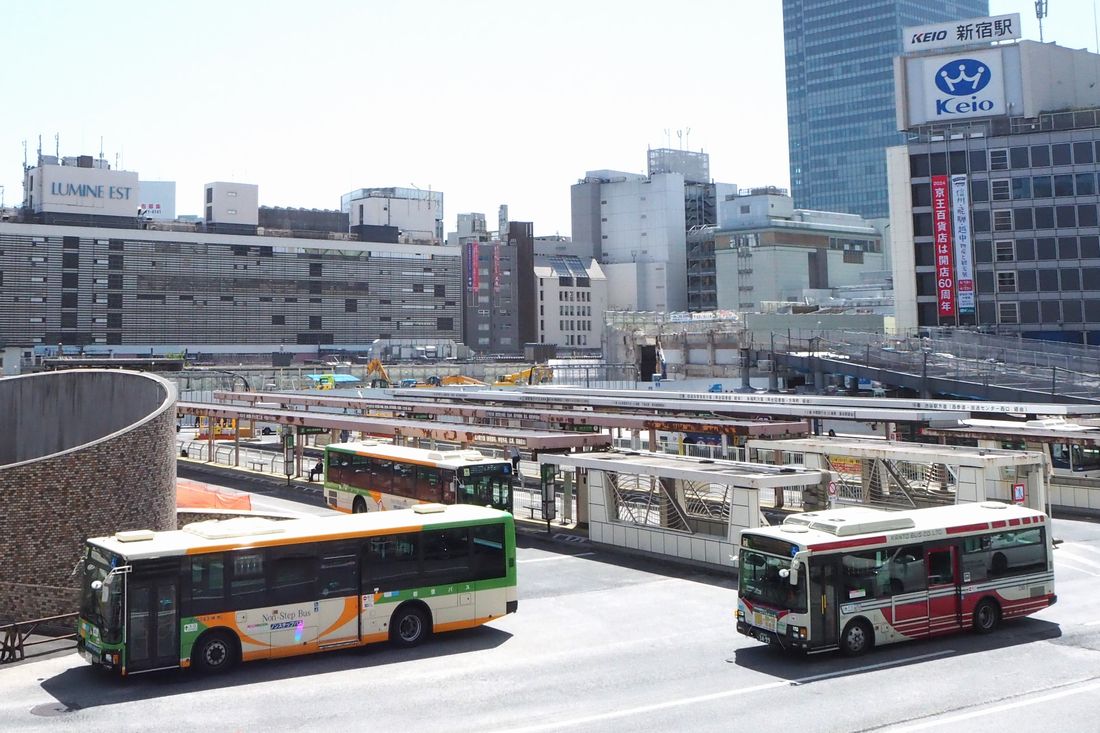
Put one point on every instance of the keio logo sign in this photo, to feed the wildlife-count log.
(962, 77)
(966, 87)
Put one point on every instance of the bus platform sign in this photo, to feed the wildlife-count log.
(311, 430)
(548, 473)
(1019, 493)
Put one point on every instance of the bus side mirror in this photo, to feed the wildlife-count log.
(797, 562)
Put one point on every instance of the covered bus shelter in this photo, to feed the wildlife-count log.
(509, 415)
(913, 475)
(535, 442)
(675, 507)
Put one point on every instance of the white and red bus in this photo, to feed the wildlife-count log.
(853, 578)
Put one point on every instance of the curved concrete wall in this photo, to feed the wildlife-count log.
(83, 453)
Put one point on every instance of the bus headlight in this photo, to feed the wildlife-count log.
(740, 615)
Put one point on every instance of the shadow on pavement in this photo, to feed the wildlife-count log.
(85, 686)
(804, 669)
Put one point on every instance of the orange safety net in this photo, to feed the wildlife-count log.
(199, 495)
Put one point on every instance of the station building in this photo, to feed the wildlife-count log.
(993, 201)
(80, 267)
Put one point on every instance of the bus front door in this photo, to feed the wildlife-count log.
(823, 610)
(944, 593)
(152, 623)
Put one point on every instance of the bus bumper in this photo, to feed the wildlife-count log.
(771, 638)
(92, 654)
(511, 607)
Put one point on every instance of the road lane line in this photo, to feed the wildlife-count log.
(997, 708)
(1067, 563)
(557, 557)
(1077, 558)
(1083, 546)
(625, 713)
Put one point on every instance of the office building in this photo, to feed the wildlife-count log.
(79, 267)
(499, 283)
(767, 252)
(994, 200)
(572, 302)
(840, 94)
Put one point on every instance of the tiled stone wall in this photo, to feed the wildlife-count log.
(50, 506)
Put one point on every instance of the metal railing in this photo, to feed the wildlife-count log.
(14, 637)
(960, 356)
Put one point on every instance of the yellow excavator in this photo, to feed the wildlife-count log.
(455, 380)
(380, 378)
(377, 375)
(537, 374)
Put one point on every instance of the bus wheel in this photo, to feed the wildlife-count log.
(409, 625)
(857, 638)
(359, 506)
(987, 615)
(215, 652)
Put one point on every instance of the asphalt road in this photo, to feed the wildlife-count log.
(609, 643)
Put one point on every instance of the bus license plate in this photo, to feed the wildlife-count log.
(764, 637)
(764, 620)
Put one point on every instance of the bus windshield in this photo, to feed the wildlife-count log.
(486, 485)
(102, 606)
(760, 580)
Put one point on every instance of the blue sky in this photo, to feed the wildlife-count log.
(488, 101)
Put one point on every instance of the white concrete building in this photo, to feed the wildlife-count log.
(768, 251)
(572, 301)
(416, 213)
(157, 200)
(636, 227)
(232, 203)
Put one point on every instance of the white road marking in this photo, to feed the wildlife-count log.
(1068, 563)
(950, 720)
(1077, 558)
(624, 713)
(557, 557)
(1083, 546)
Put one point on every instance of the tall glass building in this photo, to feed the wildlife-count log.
(840, 94)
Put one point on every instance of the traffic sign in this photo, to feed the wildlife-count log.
(832, 488)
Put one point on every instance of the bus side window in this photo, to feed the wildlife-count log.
(336, 574)
(207, 584)
(905, 570)
(939, 567)
(488, 552)
(1059, 455)
(428, 484)
(391, 562)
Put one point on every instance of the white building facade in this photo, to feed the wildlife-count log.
(636, 227)
(572, 301)
(766, 251)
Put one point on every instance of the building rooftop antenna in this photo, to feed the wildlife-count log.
(1040, 13)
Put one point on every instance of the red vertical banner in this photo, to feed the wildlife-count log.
(941, 237)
